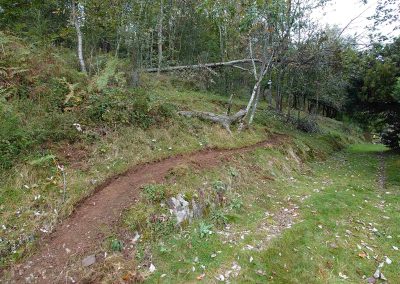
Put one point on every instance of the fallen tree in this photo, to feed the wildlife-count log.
(233, 63)
(225, 120)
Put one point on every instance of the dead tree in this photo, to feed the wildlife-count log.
(233, 63)
(224, 120)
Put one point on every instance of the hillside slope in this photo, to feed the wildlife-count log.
(66, 135)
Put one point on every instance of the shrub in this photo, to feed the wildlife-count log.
(116, 106)
(117, 245)
(219, 217)
(236, 203)
(391, 136)
(308, 125)
(167, 110)
(13, 138)
(205, 229)
(154, 192)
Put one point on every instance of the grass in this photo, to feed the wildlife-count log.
(344, 225)
(31, 193)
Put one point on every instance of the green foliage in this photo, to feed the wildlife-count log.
(233, 172)
(308, 125)
(219, 217)
(391, 136)
(159, 225)
(42, 160)
(396, 90)
(205, 229)
(167, 110)
(109, 76)
(154, 192)
(13, 138)
(116, 107)
(219, 186)
(236, 203)
(116, 245)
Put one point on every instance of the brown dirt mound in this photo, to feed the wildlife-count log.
(81, 233)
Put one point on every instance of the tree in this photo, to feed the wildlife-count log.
(77, 15)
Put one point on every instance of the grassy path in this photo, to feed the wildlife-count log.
(333, 223)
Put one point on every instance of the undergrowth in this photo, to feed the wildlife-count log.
(94, 128)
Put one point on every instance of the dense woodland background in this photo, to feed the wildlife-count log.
(70, 63)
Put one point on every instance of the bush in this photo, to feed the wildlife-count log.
(55, 126)
(166, 110)
(308, 125)
(154, 192)
(13, 138)
(116, 245)
(391, 136)
(117, 106)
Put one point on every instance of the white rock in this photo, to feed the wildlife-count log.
(343, 276)
(136, 238)
(388, 260)
(152, 268)
(89, 260)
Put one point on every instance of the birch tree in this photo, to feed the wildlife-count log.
(77, 15)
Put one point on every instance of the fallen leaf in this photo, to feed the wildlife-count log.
(201, 276)
(362, 255)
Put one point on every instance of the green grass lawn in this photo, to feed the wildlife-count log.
(344, 224)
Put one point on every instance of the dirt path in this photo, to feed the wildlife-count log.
(381, 172)
(82, 232)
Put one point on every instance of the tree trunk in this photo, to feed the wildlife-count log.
(256, 90)
(224, 120)
(232, 63)
(228, 111)
(160, 36)
(289, 106)
(221, 43)
(77, 25)
(278, 96)
(253, 110)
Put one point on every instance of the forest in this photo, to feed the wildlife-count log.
(175, 141)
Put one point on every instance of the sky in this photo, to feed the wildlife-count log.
(341, 12)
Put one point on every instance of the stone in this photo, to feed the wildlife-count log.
(180, 208)
(89, 260)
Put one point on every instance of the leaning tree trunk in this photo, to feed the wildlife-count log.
(256, 91)
(253, 110)
(77, 25)
(233, 63)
